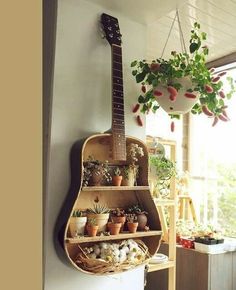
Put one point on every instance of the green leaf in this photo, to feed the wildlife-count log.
(193, 47)
(134, 63)
(141, 99)
(134, 72)
(140, 77)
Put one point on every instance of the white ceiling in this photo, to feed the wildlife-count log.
(217, 19)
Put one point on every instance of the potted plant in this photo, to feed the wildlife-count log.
(100, 213)
(130, 172)
(183, 83)
(114, 227)
(161, 170)
(77, 223)
(118, 215)
(132, 223)
(92, 227)
(95, 172)
(117, 177)
(141, 216)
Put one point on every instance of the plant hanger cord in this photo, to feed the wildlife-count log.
(182, 43)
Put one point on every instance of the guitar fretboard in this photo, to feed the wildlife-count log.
(118, 121)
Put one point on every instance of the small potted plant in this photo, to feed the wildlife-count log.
(161, 171)
(130, 172)
(95, 172)
(101, 215)
(77, 223)
(92, 227)
(183, 83)
(118, 215)
(132, 223)
(117, 177)
(114, 227)
(141, 216)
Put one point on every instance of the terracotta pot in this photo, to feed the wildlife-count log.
(77, 226)
(132, 227)
(92, 230)
(119, 219)
(114, 228)
(100, 219)
(116, 180)
(142, 221)
(182, 104)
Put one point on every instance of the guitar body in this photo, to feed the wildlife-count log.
(111, 147)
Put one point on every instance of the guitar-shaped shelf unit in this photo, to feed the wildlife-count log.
(111, 147)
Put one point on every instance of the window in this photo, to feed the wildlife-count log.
(213, 168)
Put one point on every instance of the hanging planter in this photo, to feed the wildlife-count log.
(183, 83)
(179, 104)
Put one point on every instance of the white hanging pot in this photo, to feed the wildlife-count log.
(177, 104)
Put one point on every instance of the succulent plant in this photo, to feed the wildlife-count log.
(118, 212)
(117, 171)
(77, 213)
(136, 209)
(98, 209)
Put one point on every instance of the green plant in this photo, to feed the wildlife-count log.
(193, 65)
(136, 209)
(118, 212)
(92, 222)
(132, 218)
(117, 171)
(77, 213)
(92, 166)
(98, 209)
(164, 167)
(133, 152)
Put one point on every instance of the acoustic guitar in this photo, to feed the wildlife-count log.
(111, 147)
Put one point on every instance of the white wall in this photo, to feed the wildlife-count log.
(81, 107)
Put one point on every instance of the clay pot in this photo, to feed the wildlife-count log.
(142, 221)
(114, 228)
(132, 227)
(116, 180)
(100, 219)
(77, 226)
(119, 219)
(92, 230)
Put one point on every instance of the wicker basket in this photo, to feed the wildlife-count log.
(98, 266)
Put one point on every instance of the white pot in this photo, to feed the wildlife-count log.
(182, 104)
(77, 226)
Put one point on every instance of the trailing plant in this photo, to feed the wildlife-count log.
(92, 166)
(133, 152)
(168, 73)
(164, 167)
(132, 218)
(98, 209)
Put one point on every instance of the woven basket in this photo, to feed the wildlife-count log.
(99, 266)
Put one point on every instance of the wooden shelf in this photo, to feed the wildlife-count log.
(124, 235)
(161, 266)
(114, 188)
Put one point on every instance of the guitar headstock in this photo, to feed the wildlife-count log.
(111, 29)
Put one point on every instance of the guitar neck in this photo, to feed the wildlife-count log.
(118, 120)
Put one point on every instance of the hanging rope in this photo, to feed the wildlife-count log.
(181, 36)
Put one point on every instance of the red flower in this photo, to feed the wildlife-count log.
(215, 121)
(222, 94)
(222, 74)
(135, 108)
(206, 111)
(172, 97)
(172, 90)
(190, 95)
(143, 88)
(208, 89)
(157, 93)
(215, 80)
(154, 67)
(172, 126)
(139, 121)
